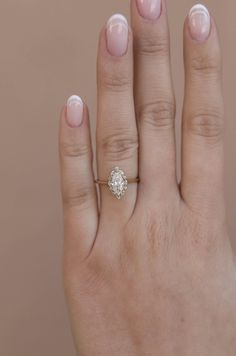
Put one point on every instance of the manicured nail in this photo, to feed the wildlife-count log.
(199, 22)
(117, 35)
(74, 112)
(149, 9)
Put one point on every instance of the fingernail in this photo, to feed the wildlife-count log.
(149, 9)
(117, 35)
(74, 112)
(199, 22)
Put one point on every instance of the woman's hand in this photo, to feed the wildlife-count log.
(152, 273)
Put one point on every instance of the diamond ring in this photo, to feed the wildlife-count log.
(117, 182)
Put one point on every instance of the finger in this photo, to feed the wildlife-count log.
(78, 189)
(117, 141)
(154, 97)
(202, 150)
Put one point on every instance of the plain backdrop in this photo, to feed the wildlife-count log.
(48, 52)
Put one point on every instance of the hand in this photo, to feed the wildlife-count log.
(152, 273)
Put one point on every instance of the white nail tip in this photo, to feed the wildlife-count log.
(74, 99)
(199, 8)
(117, 18)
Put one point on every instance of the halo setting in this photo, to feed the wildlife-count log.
(118, 183)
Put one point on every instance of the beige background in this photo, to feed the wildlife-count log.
(47, 52)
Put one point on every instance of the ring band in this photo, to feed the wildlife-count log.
(104, 182)
(117, 182)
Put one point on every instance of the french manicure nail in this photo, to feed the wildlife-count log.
(149, 9)
(117, 35)
(74, 112)
(199, 22)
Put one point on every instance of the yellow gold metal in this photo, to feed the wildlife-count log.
(104, 182)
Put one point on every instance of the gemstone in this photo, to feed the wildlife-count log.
(118, 183)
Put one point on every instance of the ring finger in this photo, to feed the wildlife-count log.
(117, 138)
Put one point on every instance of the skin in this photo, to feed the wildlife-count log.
(153, 273)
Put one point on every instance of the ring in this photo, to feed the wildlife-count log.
(117, 182)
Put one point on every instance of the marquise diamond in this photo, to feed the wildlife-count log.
(118, 183)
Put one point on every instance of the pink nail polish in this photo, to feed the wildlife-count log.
(74, 112)
(149, 9)
(117, 35)
(199, 22)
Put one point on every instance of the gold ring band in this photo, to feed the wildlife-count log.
(105, 182)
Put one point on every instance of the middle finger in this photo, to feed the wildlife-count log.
(154, 98)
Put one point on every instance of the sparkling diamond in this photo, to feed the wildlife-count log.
(117, 182)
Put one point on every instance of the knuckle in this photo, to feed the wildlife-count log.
(159, 114)
(95, 275)
(206, 64)
(116, 81)
(152, 231)
(119, 146)
(130, 242)
(75, 149)
(77, 197)
(208, 125)
(149, 45)
(157, 236)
